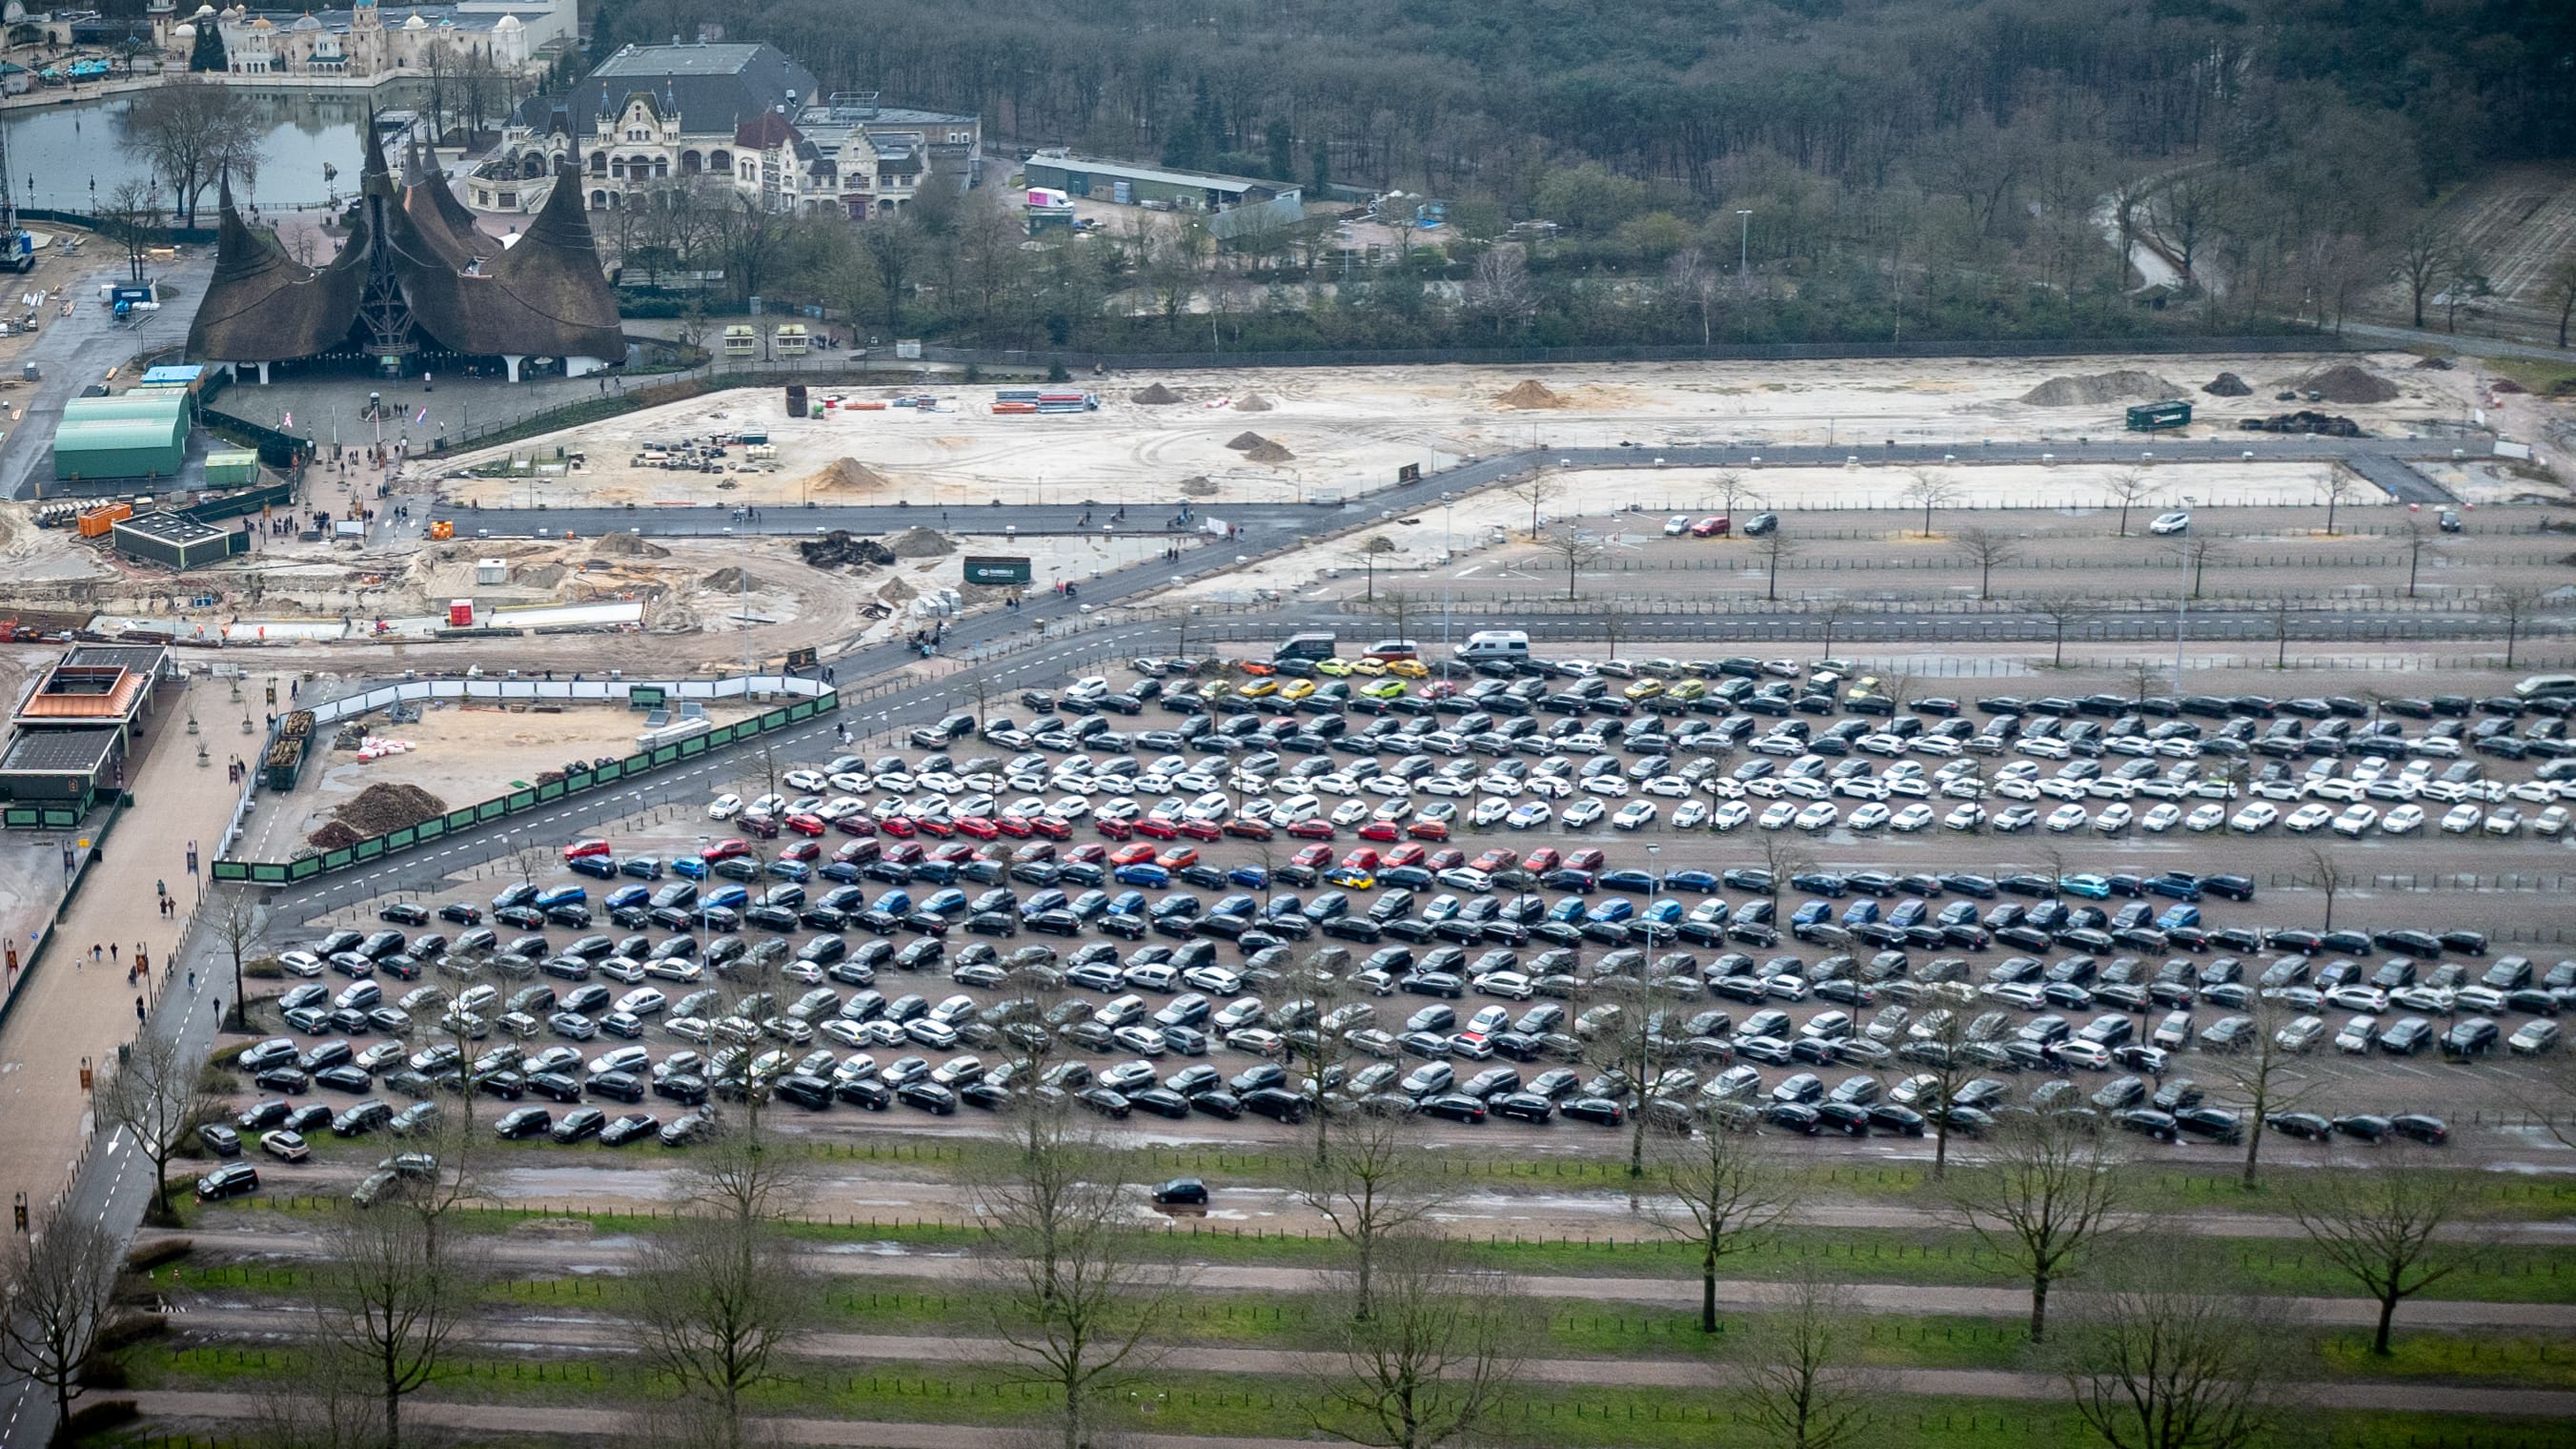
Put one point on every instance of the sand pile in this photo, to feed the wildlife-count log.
(896, 591)
(847, 473)
(729, 581)
(1197, 486)
(2346, 383)
(538, 576)
(920, 543)
(1530, 393)
(1155, 396)
(2129, 384)
(380, 808)
(1245, 442)
(1269, 452)
(1252, 402)
(626, 545)
(2227, 384)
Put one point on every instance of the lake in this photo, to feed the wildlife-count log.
(57, 151)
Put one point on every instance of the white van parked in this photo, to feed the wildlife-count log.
(1495, 644)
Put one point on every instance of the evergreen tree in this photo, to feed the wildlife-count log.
(1282, 147)
(209, 53)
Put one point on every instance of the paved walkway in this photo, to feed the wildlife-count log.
(1679, 1290)
(70, 1009)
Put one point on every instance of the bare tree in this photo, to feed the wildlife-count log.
(531, 859)
(2518, 605)
(1829, 616)
(2174, 1355)
(2327, 876)
(1690, 282)
(2131, 488)
(2143, 676)
(132, 218)
(1776, 546)
(388, 1295)
(1399, 608)
(1432, 1363)
(1076, 1291)
(154, 1093)
(2196, 552)
(2283, 610)
(2381, 1224)
(1782, 858)
(2418, 538)
(1374, 545)
(1501, 287)
(2339, 486)
(61, 1281)
(190, 131)
(1534, 490)
(1928, 490)
(1986, 548)
(1732, 1193)
(1370, 1189)
(1576, 549)
(2265, 1075)
(2423, 258)
(1631, 1043)
(328, 1404)
(1944, 1066)
(2561, 295)
(716, 1300)
(2049, 1188)
(2063, 610)
(1802, 1384)
(1733, 491)
(236, 924)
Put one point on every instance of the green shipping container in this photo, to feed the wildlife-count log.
(231, 469)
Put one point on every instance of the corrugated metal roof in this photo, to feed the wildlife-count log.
(1120, 170)
(155, 404)
(114, 704)
(105, 434)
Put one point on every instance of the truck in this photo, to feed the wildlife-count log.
(2157, 416)
(285, 757)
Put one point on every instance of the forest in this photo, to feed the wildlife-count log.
(1886, 167)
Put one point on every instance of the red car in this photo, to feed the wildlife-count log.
(1541, 860)
(1256, 668)
(805, 850)
(806, 825)
(1313, 857)
(979, 827)
(580, 849)
(1378, 830)
(1200, 829)
(1428, 830)
(1035, 850)
(1716, 527)
(1364, 858)
(1588, 858)
(1446, 859)
(756, 824)
(936, 827)
(1053, 827)
(1014, 825)
(1113, 829)
(860, 851)
(1177, 857)
(1405, 855)
(955, 852)
(1317, 829)
(899, 826)
(1249, 829)
(1437, 689)
(1136, 854)
(856, 823)
(907, 853)
(724, 850)
(1157, 827)
(1091, 851)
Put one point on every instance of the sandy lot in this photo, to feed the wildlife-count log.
(1351, 428)
(2074, 486)
(458, 755)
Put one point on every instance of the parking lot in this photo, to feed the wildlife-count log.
(1447, 904)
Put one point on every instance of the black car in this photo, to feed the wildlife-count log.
(1600, 1111)
(2214, 1123)
(2367, 1126)
(2430, 1130)
(231, 1180)
(521, 1123)
(2307, 1125)
(1182, 1192)
(633, 1127)
(220, 1140)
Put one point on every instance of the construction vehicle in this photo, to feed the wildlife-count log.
(441, 530)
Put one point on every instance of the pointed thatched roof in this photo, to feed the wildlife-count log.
(263, 305)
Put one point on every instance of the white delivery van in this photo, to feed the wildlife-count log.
(2547, 686)
(1495, 644)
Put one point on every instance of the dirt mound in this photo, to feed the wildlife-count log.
(538, 576)
(920, 543)
(1252, 402)
(847, 473)
(729, 581)
(2093, 389)
(1245, 442)
(2433, 364)
(896, 591)
(2227, 384)
(841, 547)
(1155, 396)
(1197, 487)
(2324, 425)
(1530, 393)
(2346, 383)
(1270, 452)
(626, 545)
(376, 810)
(2504, 385)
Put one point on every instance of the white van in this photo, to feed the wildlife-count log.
(1495, 644)
(2547, 686)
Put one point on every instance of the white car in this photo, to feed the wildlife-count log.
(1582, 813)
(2532, 792)
(1333, 783)
(2065, 818)
(2404, 820)
(2461, 820)
(724, 807)
(2356, 820)
(2160, 819)
(1635, 815)
(2254, 818)
(2169, 524)
(1676, 526)
(1610, 786)
(1778, 815)
(1670, 786)
(1690, 815)
(1819, 816)
(1529, 816)
(1729, 814)
(804, 780)
(2551, 822)
(2017, 789)
(1909, 819)
(1089, 687)
(1491, 810)
(1448, 785)
(1389, 785)
(1870, 816)
(1350, 812)
(1548, 787)
(2115, 817)
(2204, 819)
(2504, 820)
(2308, 819)
(1966, 817)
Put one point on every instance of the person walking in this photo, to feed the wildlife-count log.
(138, 1009)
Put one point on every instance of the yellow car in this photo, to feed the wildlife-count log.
(1690, 689)
(1383, 689)
(1260, 689)
(1215, 689)
(1297, 689)
(1644, 689)
(1369, 667)
(1333, 668)
(1408, 668)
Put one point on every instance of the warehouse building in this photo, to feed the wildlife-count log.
(60, 770)
(176, 541)
(139, 435)
(1132, 185)
(95, 686)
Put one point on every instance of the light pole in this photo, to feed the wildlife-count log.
(1448, 556)
(1654, 895)
(1744, 251)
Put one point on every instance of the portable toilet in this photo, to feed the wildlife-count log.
(460, 613)
(740, 340)
(491, 572)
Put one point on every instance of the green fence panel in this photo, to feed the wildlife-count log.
(340, 859)
(519, 800)
(490, 810)
(267, 874)
(604, 774)
(58, 818)
(665, 754)
(403, 839)
(305, 869)
(17, 817)
(694, 745)
(231, 870)
(637, 764)
(741, 729)
(458, 819)
(431, 829)
(802, 709)
(549, 792)
(575, 784)
(368, 849)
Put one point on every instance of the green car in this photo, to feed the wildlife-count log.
(1383, 689)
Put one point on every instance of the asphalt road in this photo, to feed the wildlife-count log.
(76, 351)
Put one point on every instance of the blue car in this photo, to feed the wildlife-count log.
(1958, 913)
(601, 866)
(689, 867)
(2178, 916)
(1237, 904)
(624, 896)
(547, 900)
(846, 872)
(1128, 903)
(642, 867)
(893, 903)
(2175, 884)
(1909, 913)
(1144, 873)
(945, 903)
(728, 897)
(1667, 910)
(1861, 912)
(1638, 881)
(936, 872)
(1567, 910)
(1252, 877)
(1690, 880)
(2090, 887)
(1812, 912)
(791, 870)
(1611, 911)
